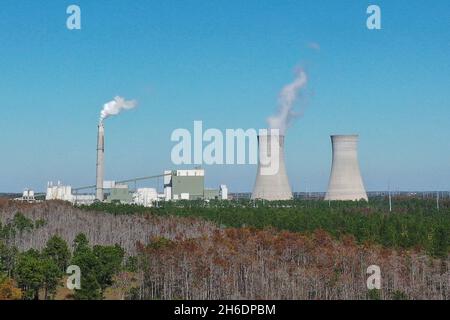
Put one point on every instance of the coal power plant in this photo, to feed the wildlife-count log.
(345, 180)
(272, 182)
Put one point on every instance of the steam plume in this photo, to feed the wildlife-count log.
(286, 100)
(115, 106)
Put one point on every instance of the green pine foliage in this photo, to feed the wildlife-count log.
(98, 266)
(58, 251)
(35, 272)
(414, 223)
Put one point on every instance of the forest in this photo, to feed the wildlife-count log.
(248, 263)
(226, 250)
(37, 274)
(413, 223)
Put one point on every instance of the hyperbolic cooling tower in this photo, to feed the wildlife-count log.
(271, 185)
(100, 157)
(345, 179)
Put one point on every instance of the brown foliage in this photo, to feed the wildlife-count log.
(202, 261)
(9, 290)
(251, 264)
(100, 228)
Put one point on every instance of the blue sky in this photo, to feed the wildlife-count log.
(224, 62)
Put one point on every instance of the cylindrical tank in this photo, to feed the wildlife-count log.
(345, 179)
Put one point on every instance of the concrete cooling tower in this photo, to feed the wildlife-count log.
(99, 195)
(271, 184)
(345, 179)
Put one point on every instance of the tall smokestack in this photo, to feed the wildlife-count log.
(345, 179)
(110, 108)
(100, 162)
(271, 184)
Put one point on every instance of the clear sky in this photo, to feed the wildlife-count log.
(224, 62)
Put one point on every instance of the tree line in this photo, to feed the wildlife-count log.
(413, 222)
(247, 263)
(231, 249)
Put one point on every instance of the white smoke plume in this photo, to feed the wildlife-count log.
(115, 106)
(286, 100)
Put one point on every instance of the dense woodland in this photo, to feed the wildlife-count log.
(55, 217)
(413, 223)
(34, 274)
(226, 250)
(268, 264)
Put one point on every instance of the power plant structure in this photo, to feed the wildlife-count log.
(184, 184)
(190, 185)
(178, 184)
(271, 179)
(99, 195)
(345, 179)
(271, 183)
(27, 196)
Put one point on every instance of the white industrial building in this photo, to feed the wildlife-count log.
(27, 196)
(178, 185)
(58, 192)
(64, 193)
(145, 197)
(223, 192)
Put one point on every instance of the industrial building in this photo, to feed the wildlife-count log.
(116, 193)
(28, 195)
(345, 179)
(190, 185)
(59, 192)
(271, 185)
(184, 184)
(65, 193)
(119, 193)
(145, 197)
(178, 185)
